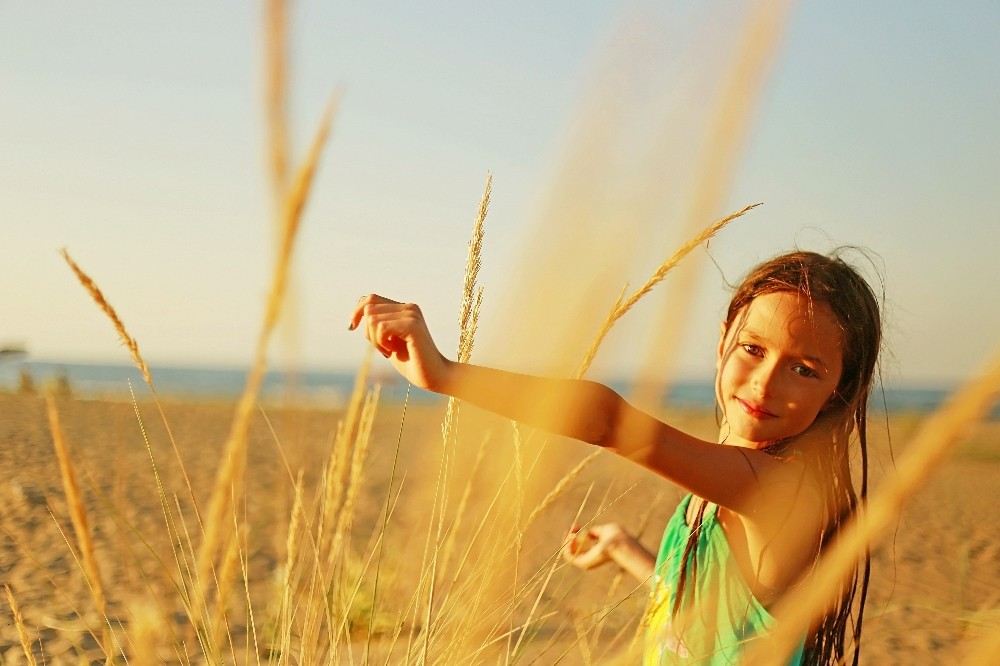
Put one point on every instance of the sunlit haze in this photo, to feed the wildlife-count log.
(133, 135)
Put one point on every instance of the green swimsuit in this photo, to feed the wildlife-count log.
(725, 614)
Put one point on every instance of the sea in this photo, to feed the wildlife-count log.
(332, 388)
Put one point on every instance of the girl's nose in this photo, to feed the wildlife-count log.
(764, 380)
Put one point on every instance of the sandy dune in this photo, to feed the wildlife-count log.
(936, 580)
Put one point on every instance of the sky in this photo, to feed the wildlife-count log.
(132, 134)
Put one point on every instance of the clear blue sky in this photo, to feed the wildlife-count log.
(132, 134)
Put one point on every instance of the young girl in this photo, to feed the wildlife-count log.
(796, 358)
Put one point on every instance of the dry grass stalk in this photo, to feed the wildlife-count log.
(552, 569)
(324, 597)
(380, 542)
(279, 154)
(505, 544)
(616, 582)
(581, 639)
(243, 552)
(98, 297)
(172, 533)
(471, 296)
(219, 623)
(327, 508)
(344, 470)
(561, 487)
(328, 500)
(285, 614)
(468, 320)
(927, 450)
(499, 553)
(518, 514)
(78, 516)
(276, 93)
(22, 631)
(468, 611)
(345, 515)
(229, 475)
(145, 628)
(338, 466)
(463, 502)
(658, 275)
(726, 131)
(199, 616)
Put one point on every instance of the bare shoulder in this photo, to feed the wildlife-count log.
(777, 537)
(790, 490)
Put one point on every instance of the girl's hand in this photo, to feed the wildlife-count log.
(399, 332)
(595, 546)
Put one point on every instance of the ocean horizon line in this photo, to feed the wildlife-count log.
(333, 386)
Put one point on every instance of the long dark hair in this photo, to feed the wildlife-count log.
(829, 280)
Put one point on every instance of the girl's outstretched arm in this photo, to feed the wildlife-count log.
(584, 410)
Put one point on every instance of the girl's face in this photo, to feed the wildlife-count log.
(778, 366)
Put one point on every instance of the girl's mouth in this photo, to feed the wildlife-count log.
(755, 410)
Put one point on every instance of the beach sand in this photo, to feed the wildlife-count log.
(935, 583)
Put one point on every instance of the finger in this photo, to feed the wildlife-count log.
(389, 331)
(572, 551)
(382, 325)
(567, 551)
(590, 558)
(363, 302)
(371, 334)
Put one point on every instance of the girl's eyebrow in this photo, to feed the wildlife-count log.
(818, 361)
(805, 357)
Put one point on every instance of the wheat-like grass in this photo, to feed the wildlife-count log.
(78, 517)
(623, 306)
(468, 320)
(471, 293)
(806, 603)
(22, 631)
(285, 614)
(327, 501)
(339, 465)
(318, 611)
(130, 343)
(229, 475)
(98, 297)
(362, 443)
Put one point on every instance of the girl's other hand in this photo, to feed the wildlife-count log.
(399, 332)
(594, 546)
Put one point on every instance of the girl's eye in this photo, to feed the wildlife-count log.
(804, 371)
(752, 349)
